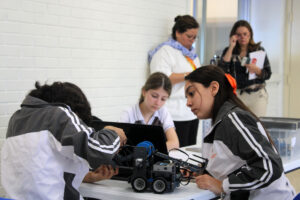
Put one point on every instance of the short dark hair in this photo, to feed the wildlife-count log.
(66, 93)
(252, 45)
(155, 81)
(183, 23)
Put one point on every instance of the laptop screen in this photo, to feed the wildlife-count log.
(137, 133)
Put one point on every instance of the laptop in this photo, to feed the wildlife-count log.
(136, 133)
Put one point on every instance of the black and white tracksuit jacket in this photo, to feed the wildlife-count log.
(240, 155)
(49, 150)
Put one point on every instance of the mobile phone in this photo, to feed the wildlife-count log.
(245, 60)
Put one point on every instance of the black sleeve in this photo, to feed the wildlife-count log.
(225, 65)
(266, 71)
(97, 147)
(246, 140)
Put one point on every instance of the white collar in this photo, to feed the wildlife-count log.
(140, 117)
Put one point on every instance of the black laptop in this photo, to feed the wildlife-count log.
(136, 133)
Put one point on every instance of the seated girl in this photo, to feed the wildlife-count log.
(150, 110)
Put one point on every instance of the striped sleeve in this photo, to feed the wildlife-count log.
(96, 147)
(263, 163)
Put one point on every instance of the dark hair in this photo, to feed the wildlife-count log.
(252, 46)
(155, 81)
(66, 93)
(205, 75)
(183, 23)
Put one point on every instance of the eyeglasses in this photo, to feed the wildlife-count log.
(242, 34)
(191, 37)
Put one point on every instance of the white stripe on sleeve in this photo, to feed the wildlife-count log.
(259, 151)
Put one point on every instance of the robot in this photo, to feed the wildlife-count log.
(154, 170)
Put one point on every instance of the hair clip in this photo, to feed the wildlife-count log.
(232, 82)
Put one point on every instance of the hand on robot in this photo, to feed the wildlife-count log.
(101, 173)
(208, 182)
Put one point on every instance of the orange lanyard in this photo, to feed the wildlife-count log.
(191, 62)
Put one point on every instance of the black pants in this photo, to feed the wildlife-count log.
(187, 132)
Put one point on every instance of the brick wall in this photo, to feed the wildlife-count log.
(100, 45)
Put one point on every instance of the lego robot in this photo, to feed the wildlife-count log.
(154, 170)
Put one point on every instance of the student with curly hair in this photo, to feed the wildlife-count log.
(49, 146)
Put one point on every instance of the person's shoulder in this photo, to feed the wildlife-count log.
(241, 117)
(233, 123)
(229, 111)
(60, 114)
(129, 109)
(167, 48)
(256, 47)
(224, 50)
(165, 117)
(126, 114)
(167, 53)
(261, 48)
(58, 110)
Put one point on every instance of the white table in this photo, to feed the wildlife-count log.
(116, 190)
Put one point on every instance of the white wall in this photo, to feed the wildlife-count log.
(221, 15)
(292, 60)
(100, 45)
(267, 18)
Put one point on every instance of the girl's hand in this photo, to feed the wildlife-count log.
(233, 40)
(252, 68)
(101, 173)
(207, 182)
